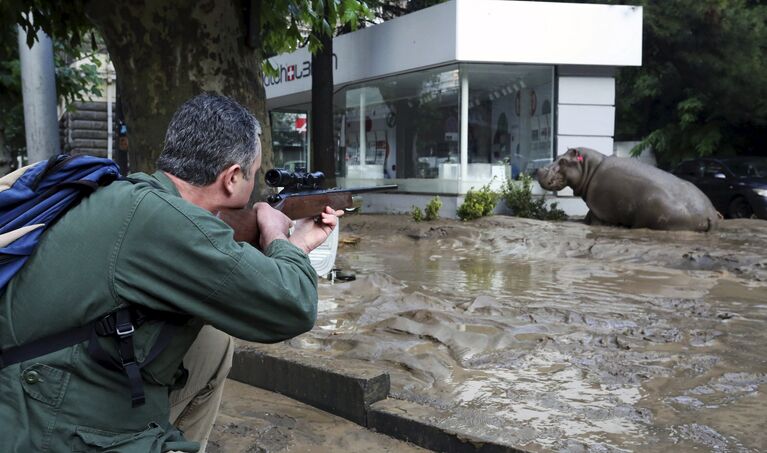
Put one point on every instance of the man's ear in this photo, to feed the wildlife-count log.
(230, 177)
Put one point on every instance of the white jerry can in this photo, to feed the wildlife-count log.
(323, 258)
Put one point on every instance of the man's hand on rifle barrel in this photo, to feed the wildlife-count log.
(310, 233)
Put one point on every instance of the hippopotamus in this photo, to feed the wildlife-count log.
(625, 192)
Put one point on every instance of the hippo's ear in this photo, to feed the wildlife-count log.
(573, 156)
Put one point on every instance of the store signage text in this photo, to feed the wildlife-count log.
(293, 72)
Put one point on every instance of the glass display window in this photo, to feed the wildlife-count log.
(409, 128)
(510, 120)
(290, 139)
(404, 127)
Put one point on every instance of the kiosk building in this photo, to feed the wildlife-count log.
(461, 94)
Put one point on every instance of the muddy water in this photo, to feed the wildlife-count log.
(560, 336)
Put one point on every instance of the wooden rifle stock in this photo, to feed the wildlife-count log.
(300, 205)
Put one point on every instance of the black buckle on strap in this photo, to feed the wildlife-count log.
(105, 326)
(108, 325)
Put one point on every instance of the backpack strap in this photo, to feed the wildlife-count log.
(45, 345)
(120, 324)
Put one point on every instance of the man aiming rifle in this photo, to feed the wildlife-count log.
(301, 197)
(150, 265)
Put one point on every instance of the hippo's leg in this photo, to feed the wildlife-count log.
(591, 219)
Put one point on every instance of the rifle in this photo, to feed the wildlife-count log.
(300, 198)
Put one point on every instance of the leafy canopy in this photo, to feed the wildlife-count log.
(289, 24)
(73, 82)
(703, 87)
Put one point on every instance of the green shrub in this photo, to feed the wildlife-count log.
(478, 203)
(519, 198)
(416, 214)
(432, 209)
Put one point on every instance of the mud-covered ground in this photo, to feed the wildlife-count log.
(560, 336)
(252, 420)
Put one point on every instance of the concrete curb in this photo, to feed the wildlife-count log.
(348, 394)
(358, 394)
(419, 425)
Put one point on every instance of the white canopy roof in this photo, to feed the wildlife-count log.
(481, 31)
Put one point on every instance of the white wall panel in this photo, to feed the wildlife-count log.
(554, 33)
(417, 40)
(587, 90)
(586, 120)
(602, 144)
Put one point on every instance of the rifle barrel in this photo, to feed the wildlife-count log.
(366, 189)
(355, 190)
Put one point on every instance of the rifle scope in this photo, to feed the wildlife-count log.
(278, 177)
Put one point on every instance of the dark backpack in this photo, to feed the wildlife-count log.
(34, 197)
(31, 200)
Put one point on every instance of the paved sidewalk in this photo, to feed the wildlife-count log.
(253, 420)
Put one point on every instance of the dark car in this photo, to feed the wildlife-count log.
(737, 186)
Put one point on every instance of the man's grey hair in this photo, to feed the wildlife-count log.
(207, 134)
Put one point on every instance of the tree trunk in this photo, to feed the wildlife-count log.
(322, 131)
(167, 52)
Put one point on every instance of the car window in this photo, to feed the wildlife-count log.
(751, 168)
(712, 168)
(692, 169)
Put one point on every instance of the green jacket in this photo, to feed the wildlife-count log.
(133, 243)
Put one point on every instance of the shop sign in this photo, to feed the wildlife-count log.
(291, 72)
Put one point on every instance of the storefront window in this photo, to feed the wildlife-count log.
(510, 119)
(408, 127)
(405, 127)
(290, 139)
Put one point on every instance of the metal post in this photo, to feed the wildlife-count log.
(38, 88)
(110, 127)
(363, 131)
(464, 124)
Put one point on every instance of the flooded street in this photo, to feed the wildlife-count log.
(560, 336)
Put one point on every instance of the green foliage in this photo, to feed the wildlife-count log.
(519, 198)
(702, 89)
(65, 21)
(478, 203)
(72, 83)
(432, 209)
(289, 24)
(702, 86)
(417, 214)
(76, 83)
(430, 213)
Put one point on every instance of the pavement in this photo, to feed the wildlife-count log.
(253, 420)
